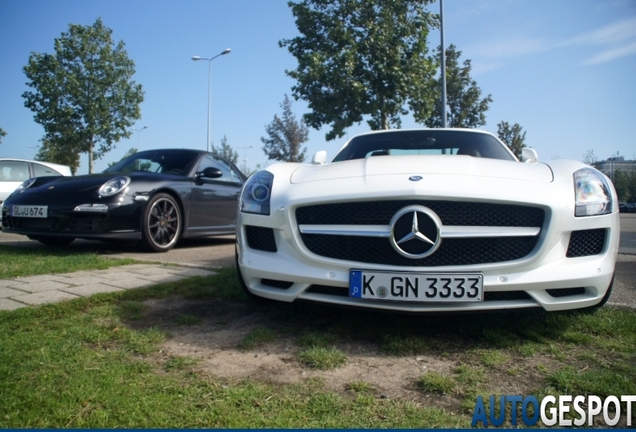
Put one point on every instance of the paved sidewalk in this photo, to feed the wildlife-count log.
(37, 290)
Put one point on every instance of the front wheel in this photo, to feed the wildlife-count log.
(161, 225)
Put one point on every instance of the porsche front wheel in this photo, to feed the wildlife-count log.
(161, 223)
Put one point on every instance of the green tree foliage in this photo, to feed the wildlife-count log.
(466, 107)
(285, 136)
(513, 136)
(225, 151)
(2, 134)
(49, 152)
(361, 58)
(625, 184)
(130, 152)
(83, 94)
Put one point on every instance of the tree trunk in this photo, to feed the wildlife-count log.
(90, 157)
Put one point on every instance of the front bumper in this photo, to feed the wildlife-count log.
(546, 278)
(119, 222)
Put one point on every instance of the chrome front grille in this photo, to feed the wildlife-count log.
(473, 233)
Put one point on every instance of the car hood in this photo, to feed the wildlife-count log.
(82, 187)
(424, 166)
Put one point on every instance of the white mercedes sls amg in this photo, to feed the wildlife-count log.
(429, 220)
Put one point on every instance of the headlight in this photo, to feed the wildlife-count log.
(114, 186)
(24, 186)
(256, 193)
(593, 194)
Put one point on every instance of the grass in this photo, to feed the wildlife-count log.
(87, 363)
(17, 262)
(257, 337)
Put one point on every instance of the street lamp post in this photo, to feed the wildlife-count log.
(196, 58)
(138, 132)
(245, 156)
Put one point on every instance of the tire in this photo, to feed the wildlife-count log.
(161, 224)
(54, 241)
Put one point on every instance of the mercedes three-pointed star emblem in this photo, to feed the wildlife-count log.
(415, 231)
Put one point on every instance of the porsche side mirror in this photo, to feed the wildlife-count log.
(529, 155)
(320, 158)
(211, 172)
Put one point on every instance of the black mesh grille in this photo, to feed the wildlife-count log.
(374, 250)
(260, 238)
(276, 283)
(565, 292)
(586, 243)
(461, 251)
(450, 212)
(71, 223)
(329, 290)
(506, 295)
(488, 296)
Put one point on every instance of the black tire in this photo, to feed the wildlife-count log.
(54, 241)
(161, 224)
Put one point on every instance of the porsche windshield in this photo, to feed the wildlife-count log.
(424, 142)
(177, 162)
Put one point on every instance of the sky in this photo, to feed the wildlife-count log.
(565, 70)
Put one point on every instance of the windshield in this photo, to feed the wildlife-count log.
(424, 142)
(178, 162)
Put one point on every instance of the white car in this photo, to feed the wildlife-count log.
(13, 172)
(429, 220)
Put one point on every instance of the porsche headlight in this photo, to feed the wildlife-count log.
(257, 193)
(24, 186)
(593, 194)
(114, 186)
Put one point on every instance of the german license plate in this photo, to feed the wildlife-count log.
(416, 287)
(29, 211)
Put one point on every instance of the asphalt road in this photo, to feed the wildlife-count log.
(217, 252)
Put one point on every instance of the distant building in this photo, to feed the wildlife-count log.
(613, 164)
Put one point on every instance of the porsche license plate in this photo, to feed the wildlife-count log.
(30, 211)
(416, 287)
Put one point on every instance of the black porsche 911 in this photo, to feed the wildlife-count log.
(156, 197)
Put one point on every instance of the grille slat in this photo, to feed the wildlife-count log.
(453, 251)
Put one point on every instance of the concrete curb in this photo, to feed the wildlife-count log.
(42, 289)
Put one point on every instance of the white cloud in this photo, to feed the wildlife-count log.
(613, 54)
(614, 33)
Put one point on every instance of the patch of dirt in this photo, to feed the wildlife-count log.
(216, 342)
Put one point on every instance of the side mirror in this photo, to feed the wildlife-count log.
(210, 172)
(529, 155)
(320, 158)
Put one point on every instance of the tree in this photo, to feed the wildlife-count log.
(466, 108)
(225, 151)
(512, 136)
(590, 158)
(83, 95)
(285, 136)
(49, 152)
(361, 58)
(130, 152)
(2, 134)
